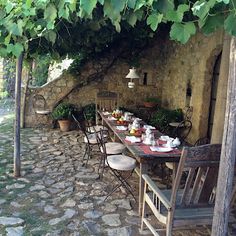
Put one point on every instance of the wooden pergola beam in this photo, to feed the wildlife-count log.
(17, 161)
(228, 153)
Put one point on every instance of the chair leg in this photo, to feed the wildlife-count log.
(123, 182)
(86, 153)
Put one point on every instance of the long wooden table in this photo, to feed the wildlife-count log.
(142, 158)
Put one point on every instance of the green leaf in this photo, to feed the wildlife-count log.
(109, 12)
(131, 3)
(139, 4)
(118, 5)
(201, 9)
(177, 16)
(230, 24)
(9, 7)
(50, 15)
(15, 29)
(52, 36)
(101, 2)
(163, 6)
(132, 19)
(88, 5)
(153, 20)
(182, 32)
(15, 49)
(72, 5)
(224, 1)
(3, 52)
(212, 23)
(117, 25)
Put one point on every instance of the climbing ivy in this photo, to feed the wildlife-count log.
(62, 26)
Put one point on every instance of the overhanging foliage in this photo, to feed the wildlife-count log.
(62, 26)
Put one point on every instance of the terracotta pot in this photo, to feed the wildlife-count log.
(149, 104)
(64, 125)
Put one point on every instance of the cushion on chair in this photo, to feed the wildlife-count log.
(92, 139)
(114, 148)
(121, 162)
(170, 165)
(96, 128)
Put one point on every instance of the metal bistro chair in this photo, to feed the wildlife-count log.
(90, 140)
(93, 128)
(40, 107)
(119, 165)
(185, 205)
(182, 130)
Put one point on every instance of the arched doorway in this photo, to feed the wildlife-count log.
(214, 85)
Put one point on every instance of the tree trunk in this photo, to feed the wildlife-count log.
(17, 164)
(228, 153)
(28, 78)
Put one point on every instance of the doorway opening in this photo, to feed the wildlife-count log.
(214, 85)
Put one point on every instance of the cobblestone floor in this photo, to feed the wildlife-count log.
(56, 195)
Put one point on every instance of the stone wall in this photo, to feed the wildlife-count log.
(191, 65)
(170, 68)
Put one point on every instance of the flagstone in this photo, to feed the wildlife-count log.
(10, 221)
(112, 219)
(15, 231)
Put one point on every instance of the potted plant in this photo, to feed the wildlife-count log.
(151, 102)
(62, 113)
(163, 117)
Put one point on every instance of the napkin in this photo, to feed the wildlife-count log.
(133, 139)
(121, 127)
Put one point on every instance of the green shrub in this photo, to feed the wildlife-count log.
(163, 117)
(152, 100)
(90, 111)
(63, 111)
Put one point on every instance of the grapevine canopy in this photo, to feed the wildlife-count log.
(60, 27)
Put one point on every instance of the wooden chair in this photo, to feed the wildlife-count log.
(106, 100)
(187, 204)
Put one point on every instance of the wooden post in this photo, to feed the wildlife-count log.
(228, 153)
(17, 164)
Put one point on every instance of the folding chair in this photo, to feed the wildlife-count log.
(118, 165)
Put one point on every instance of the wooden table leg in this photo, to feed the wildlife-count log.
(143, 170)
(175, 167)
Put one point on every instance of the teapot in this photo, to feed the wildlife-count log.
(135, 124)
(176, 142)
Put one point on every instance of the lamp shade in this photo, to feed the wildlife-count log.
(132, 74)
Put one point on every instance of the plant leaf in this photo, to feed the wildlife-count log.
(132, 19)
(118, 5)
(88, 5)
(201, 9)
(212, 23)
(153, 20)
(230, 24)
(182, 32)
(131, 3)
(50, 15)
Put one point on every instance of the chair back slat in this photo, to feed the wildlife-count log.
(106, 100)
(188, 184)
(200, 163)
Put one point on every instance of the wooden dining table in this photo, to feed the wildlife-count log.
(141, 152)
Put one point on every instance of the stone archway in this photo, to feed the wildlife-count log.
(204, 88)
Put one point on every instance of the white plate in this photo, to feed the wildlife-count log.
(161, 149)
(112, 118)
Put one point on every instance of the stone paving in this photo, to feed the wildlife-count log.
(56, 195)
